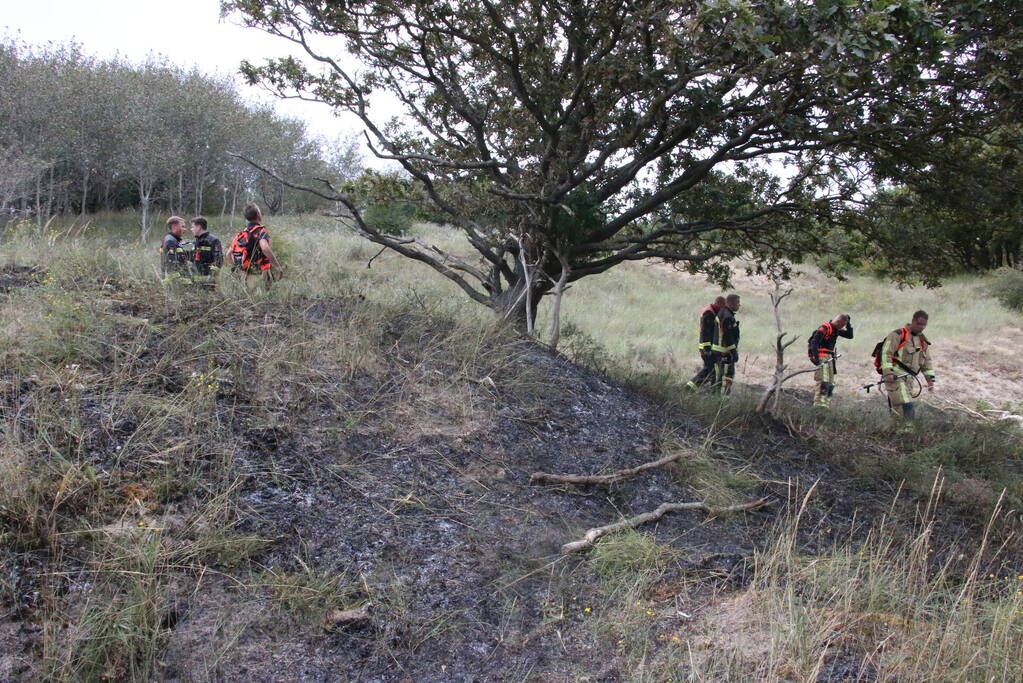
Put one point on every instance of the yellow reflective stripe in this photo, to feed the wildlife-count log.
(721, 349)
(929, 373)
(903, 391)
(886, 356)
(703, 345)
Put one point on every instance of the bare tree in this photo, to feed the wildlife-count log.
(781, 375)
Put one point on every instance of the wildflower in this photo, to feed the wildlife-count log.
(586, 609)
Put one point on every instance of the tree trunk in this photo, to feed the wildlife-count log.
(234, 194)
(145, 199)
(85, 190)
(511, 305)
(49, 194)
(39, 200)
(559, 292)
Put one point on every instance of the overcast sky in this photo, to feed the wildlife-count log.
(188, 32)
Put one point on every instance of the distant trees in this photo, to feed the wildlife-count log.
(80, 135)
(564, 138)
(958, 208)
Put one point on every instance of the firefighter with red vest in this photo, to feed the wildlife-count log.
(708, 320)
(821, 348)
(251, 251)
(905, 354)
(725, 344)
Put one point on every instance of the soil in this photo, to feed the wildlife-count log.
(418, 494)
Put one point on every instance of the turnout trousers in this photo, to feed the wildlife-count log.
(900, 396)
(825, 379)
(705, 374)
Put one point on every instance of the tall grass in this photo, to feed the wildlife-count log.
(899, 607)
(104, 370)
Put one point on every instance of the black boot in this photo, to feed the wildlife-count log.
(909, 411)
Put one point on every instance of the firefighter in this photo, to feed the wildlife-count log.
(725, 344)
(208, 257)
(174, 254)
(906, 351)
(821, 348)
(257, 259)
(708, 320)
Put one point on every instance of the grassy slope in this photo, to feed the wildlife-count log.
(245, 546)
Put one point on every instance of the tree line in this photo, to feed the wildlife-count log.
(79, 135)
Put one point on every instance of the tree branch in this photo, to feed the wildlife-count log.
(593, 535)
(544, 477)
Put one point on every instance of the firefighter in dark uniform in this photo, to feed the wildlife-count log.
(174, 254)
(821, 348)
(725, 344)
(708, 320)
(208, 254)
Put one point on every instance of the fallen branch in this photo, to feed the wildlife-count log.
(603, 478)
(591, 536)
(339, 617)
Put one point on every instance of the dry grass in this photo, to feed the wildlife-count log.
(103, 371)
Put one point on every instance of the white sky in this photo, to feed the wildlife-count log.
(188, 32)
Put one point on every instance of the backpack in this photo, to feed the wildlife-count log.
(876, 353)
(245, 248)
(809, 342)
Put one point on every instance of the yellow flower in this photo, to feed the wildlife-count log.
(587, 610)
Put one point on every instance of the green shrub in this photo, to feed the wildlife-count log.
(1008, 288)
(392, 218)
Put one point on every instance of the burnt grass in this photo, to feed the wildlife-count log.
(404, 479)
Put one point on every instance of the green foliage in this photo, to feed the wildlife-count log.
(622, 139)
(152, 135)
(390, 218)
(956, 206)
(1008, 288)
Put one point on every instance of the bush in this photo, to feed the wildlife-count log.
(1008, 288)
(391, 218)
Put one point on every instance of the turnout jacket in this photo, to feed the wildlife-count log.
(823, 340)
(913, 355)
(208, 253)
(708, 321)
(726, 332)
(173, 256)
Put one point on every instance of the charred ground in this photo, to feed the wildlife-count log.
(195, 482)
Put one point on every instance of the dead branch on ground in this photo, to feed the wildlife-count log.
(593, 535)
(339, 617)
(604, 478)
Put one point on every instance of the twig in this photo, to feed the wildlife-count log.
(604, 478)
(347, 616)
(591, 536)
(369, 263)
